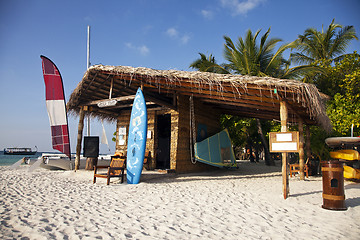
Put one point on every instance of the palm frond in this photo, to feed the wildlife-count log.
(328, 44)
(299, 71)
(207, 64)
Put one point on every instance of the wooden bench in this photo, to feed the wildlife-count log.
(295, 168)
(116, 169)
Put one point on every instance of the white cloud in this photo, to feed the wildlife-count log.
(184, 39)
(172, 32)
(241, 7)
(176, 35)
(129, 45)
(207, 14)
(143, 49)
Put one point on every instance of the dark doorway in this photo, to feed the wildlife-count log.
(164, 135)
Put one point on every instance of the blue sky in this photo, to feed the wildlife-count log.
(159, 34)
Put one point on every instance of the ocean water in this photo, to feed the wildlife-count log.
(7, 160)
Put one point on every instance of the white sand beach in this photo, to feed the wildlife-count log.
(241, 204)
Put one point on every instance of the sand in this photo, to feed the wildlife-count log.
(242, 204)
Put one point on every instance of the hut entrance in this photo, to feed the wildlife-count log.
(164, 135)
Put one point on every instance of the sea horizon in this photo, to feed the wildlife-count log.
(7, 160)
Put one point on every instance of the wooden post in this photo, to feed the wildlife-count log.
(90, 163)
(79, 138)
(301, 148)
(285, 168)
(308, 142)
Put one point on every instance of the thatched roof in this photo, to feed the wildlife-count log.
(246, 96)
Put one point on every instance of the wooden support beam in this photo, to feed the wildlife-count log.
(301, 148)
(285, 167)
(152, 98)
(251, 114)
(247, 104)
(79, 138)
(308, 142)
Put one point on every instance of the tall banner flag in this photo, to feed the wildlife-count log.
(56, 106)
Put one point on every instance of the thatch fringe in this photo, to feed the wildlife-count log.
(305, 94)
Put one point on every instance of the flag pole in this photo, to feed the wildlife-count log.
(88, 48)
(87, 67)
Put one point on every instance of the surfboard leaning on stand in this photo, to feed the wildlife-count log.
(137, 139)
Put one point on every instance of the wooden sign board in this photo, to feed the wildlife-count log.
(284, 142)
(107, 103)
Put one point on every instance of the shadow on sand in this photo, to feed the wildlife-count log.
(305, 194)
(352, 202)
(245, 171)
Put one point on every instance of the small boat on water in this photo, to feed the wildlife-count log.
(19, 151)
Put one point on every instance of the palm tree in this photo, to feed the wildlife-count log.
(208, 64)
(330, 45)
(247, 57)
(321, 49)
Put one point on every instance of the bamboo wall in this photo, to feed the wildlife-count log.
(204, 115)
(124, 121)
(180, 158)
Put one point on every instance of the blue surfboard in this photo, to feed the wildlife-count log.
(137, 139)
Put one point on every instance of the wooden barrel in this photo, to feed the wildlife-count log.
(333, 185)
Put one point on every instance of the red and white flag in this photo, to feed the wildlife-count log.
(56, 106)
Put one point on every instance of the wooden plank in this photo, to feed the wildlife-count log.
(248, 114)
(247, 104)
(149, 97)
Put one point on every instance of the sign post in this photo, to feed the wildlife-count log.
(284, 142)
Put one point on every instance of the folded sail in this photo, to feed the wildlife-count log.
(56, 106)
(216, 151)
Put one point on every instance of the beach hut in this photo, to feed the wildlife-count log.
(107, 92)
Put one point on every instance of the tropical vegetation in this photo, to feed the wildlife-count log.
(321, 59)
